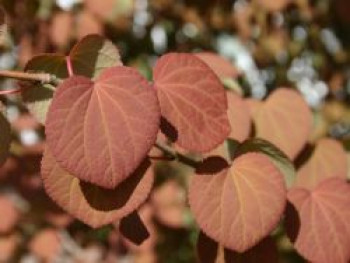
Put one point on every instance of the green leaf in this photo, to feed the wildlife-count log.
(276, 155)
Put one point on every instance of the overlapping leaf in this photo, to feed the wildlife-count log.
(88, 57)
(285, 120)
(91, 204)
(192, 100)
(328, 160)
(210, 251)
(222, 67)
(238, 206)
(276, 155)
(239, 117)
(318, 222)
(5, 138)
(101, 131)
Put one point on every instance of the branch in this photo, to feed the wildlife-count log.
(169, 151)
(39, 77)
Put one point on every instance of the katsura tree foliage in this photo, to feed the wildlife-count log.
(106, 126)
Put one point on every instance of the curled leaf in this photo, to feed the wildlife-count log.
(91, 204)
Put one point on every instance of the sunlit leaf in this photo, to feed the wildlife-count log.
(210, 251)
(239, 117)
(10, 212)
(89, 56)
(193, 100)
(238, 206)
(318, 221)
(101, 131)
(46, 245)
(328, 160)
(285, 120)
(38, 97)
(91, 204)
(222, 67)
(92, 54)
(276, 155)
(5, 138)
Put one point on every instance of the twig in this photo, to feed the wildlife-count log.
(167, 150)
(40, 77)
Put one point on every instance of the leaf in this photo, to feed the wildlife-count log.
(192, 100)
(92, 54)
(221, 66)
(91, 204)
(328, 160)
(210, 251)
(322, 216)
(46, 245)
(285, 120)
(238, 206)
(281, 161)
(101, 131)
(10, 213)
(37, 96)
(133, 229)
(274, 5)
(5, 138)
(89, 56)
(239, 117)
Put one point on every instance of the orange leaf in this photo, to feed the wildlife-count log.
(101, 131)
(193, 100)
(285, 120)
(239, 117)
(328, 160)
(238, 206)
(222, 67)
(91, 204)
(318, 222)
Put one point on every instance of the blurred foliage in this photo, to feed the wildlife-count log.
(299, 43)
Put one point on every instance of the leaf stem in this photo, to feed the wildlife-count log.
(27, 76)
(69, 66)
(168, 150)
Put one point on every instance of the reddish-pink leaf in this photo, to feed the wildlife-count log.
(239, 116)
(10, 214)
(101, 131)
(238, 206)
(46, 245)
(328, 160)
(91, 204)
(322, 216)
(285, 120)
(222, 67)
(193, 100)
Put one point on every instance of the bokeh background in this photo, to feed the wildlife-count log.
(304, 44)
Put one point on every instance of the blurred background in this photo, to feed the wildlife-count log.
(303, 44)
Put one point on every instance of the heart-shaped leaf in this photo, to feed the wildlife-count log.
(88, 57)
(318, 222)
(285, 120)
(239, 117)
(276, 155)
(238, 206)
(192, 100)
(210, 251)
(5, 138)
(101, 131)
(328, 160)
(91, 204)
(222, 67)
